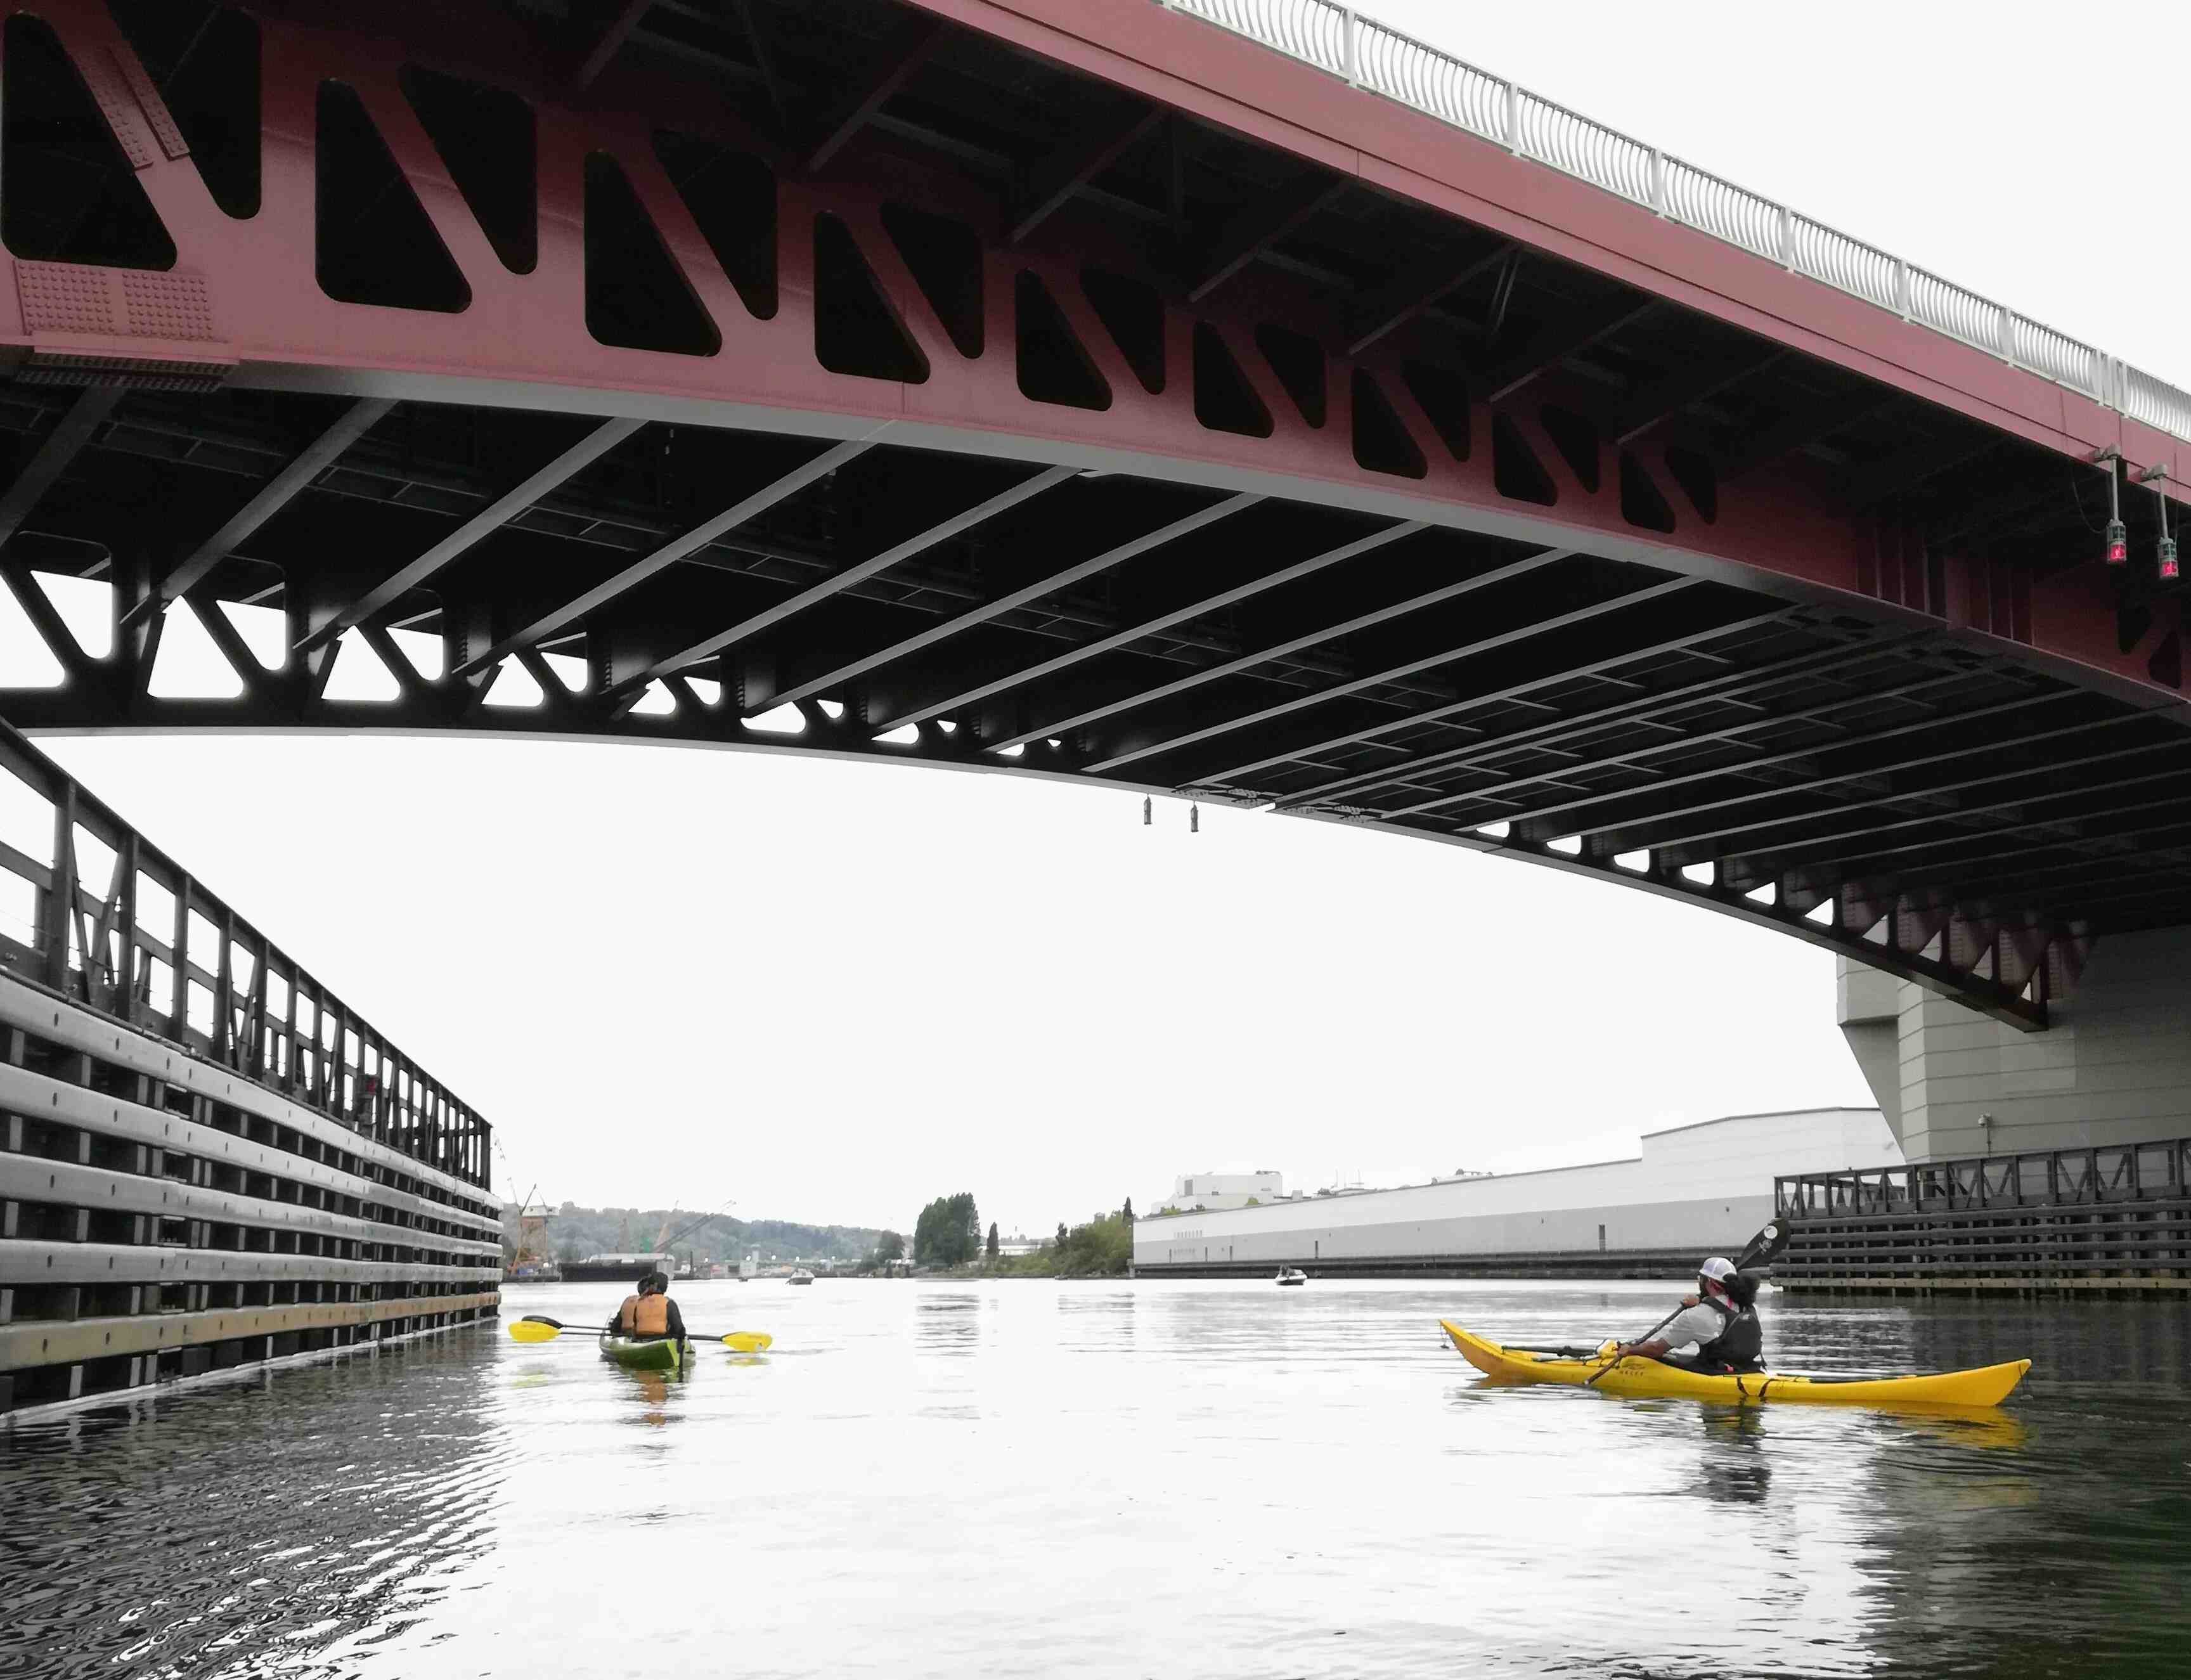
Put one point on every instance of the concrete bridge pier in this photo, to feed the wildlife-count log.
(2114, 1068)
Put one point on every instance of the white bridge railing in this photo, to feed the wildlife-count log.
(1370, 55)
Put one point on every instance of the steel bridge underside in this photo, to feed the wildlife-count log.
(841, 376)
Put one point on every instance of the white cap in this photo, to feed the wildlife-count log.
(1719, 1268)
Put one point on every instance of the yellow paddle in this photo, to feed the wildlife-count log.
(533, 1327)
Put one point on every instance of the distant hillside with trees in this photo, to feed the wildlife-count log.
(574, 1232)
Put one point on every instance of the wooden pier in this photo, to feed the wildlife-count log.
(207, 1160)
(2114, 1218)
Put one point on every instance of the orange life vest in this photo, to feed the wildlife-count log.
(643, 1315)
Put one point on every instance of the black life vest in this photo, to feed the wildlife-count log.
(1740, 1344)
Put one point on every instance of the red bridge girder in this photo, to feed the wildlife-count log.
(1620, 536)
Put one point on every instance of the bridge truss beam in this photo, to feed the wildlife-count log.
(1010, 408)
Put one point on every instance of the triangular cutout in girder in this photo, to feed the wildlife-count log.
(1224, 398)
(374, 239)
(637, 297)
(856, 329)
(73, 195)
(85, 605)
(515, 688)
(569, 669)
(423, 651)
(263, 629)
(361, 676)
(26, 661)
(1053, 366)
(190, 664)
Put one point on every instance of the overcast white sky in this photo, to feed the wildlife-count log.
(833, 991)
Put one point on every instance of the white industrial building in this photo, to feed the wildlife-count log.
(1219, 1190)
(1704, 1187)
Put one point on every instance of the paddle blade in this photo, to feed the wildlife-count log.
(1766, 1247)
(748, 1341)
(532, 1329)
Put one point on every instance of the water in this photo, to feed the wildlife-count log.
(1131, 1479)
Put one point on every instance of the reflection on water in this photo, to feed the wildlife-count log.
(1122, 1479)
(324, 1510)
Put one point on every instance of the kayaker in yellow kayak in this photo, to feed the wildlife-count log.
(651, 1314)
(1721, 1318)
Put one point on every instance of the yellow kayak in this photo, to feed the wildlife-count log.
(1989, 1386)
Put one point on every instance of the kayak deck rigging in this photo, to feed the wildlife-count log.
(1986, 1386)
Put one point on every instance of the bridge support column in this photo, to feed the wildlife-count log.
(2115, 1067)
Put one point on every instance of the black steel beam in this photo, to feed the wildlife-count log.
(1708, 377)
(1426, 660)
(837, 582)
(1724, 688)
(669, 553)
(1988, 997)
(71, 433)
(1052, 183)
(1319, 633)
(1813, 420)
(900, 58)
(1261, 223)
(998, 605)
(1309, 749)
(1688, 741)
(1869, 865)
(610, 42)
(1416, 289)
(482, 524)
(1889, 801)
(2015, 803)
(764, 59)
(1026, 676)
(283, 488)
(1912, 467)
(1860, 746)
(2143, 856)
(1554, 344)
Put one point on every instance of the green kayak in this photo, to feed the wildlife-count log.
(653, 1353)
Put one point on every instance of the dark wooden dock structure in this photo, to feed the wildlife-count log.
(2114, 1218)
(206, 1160)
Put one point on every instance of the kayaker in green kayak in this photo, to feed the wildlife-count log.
(1721, 1318)
(651, 1315)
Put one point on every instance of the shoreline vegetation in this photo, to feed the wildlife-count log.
(948, 1242)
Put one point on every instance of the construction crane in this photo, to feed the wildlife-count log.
(665, 1237)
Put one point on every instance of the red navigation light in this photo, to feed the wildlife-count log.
(2118, 543)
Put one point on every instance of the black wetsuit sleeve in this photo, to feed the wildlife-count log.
(676, 1322)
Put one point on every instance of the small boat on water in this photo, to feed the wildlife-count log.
(800, 1275)
(1291, 1274)
(645, 1353)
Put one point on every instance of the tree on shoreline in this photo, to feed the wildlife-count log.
(949, 1231)
(993, 1239)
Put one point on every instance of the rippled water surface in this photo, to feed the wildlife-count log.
(1151, 1479)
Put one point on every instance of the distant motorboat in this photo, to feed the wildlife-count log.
(1291, 1274)
(800, 1275)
